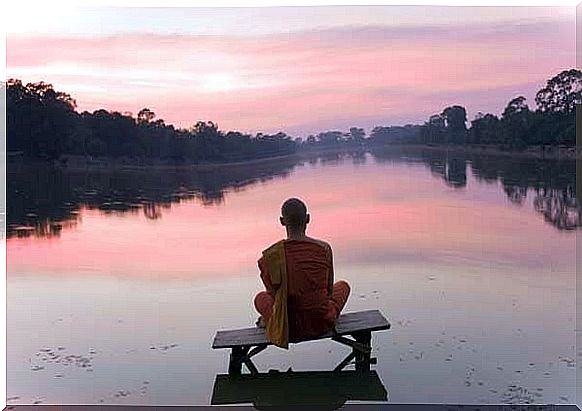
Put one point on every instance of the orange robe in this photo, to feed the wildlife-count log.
(310, 310)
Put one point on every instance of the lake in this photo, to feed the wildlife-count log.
(117, 280)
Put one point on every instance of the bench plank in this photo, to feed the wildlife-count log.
(371, 320)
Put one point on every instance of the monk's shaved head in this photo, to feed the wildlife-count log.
(294, 213)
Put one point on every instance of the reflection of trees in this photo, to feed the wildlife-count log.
(553, 182)
(38, 204)
(437, 167)
(515, 194)
(450, 167)
(152, 211)
(331, 157)
(456, 173)
(335, 157)
(43, 228)
(482, 170)
(559, 207)
(358, 157)
(41, 200)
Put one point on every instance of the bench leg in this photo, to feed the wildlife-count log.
(345, 361)
(242, 355)
(363, 359)
(237, 357)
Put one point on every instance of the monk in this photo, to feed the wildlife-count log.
(301, 300)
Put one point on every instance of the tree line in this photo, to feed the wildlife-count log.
(553, 122)
(43, 123)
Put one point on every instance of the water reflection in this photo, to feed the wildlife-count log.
(460, 269)
(325, 389)
(551, 182)
(42, 200)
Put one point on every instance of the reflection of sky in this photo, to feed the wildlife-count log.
(388, 215)
(297, 69)
(467, 279)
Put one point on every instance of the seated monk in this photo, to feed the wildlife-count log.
(301, 300)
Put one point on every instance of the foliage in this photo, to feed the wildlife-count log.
(553, 123)
(43, 124)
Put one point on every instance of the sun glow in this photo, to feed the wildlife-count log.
(218, 82)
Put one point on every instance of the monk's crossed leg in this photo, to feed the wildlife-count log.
(264, 304)
(340, 294)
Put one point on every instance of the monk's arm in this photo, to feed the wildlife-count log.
(330, 279)
(265, 278)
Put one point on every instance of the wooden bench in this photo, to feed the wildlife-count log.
(248, 342)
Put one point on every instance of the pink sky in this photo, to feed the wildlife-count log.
(351, 70)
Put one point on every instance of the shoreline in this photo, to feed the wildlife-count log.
(80, 163)
(536, 152)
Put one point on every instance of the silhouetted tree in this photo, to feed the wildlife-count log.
(42, 123)
(516, 106)
(484, 129)
(455, 118)
(516, 122)
(395, 135)
(561, 93)
(330, 138)
(145, 115)
(39, 120)
(434, 131)
(356, 136)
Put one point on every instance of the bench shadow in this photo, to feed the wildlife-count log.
(325, 389)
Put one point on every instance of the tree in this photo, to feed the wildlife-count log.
(145, 116)
(562, 93)
(484, 129)
(516, 106)
(516, 123)
(330, 138)
(408, 134)
(455, 118)
(434, 130)
(357, 136)
(42, 123)
(39, 120)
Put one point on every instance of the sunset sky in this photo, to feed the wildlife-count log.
(301, 70)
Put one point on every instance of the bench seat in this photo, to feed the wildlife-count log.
(359, 324)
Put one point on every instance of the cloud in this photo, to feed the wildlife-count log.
(301, 81)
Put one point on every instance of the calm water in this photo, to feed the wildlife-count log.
(118, 280)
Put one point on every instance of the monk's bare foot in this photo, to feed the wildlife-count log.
(260, 322)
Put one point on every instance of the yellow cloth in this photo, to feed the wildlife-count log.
(278, 325)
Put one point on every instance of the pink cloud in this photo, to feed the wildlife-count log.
(300, 81)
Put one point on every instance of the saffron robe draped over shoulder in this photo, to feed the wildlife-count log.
(278, 324)
(297, 274)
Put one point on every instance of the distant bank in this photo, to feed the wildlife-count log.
(76, 162)
(541, 152)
